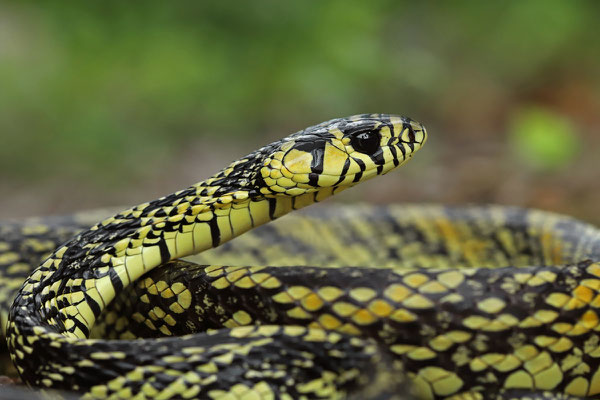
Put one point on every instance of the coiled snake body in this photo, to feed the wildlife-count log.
(393, 292)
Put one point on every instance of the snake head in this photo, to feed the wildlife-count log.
(338, 154)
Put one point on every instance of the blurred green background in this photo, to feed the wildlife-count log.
(114, 103)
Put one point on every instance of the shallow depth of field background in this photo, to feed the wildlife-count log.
(115, 103)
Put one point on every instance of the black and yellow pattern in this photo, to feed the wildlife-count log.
(60, 301)
(465, 302)
(24, 244)
(454, 330)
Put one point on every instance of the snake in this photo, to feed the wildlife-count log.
(389, 302)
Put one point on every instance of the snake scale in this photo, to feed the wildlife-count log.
(470, 302)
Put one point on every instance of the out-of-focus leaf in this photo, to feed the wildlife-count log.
(543, 139)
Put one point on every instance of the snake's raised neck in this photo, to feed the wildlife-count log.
(64, 296)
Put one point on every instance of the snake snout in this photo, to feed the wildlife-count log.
(414, 132)
(421, 128)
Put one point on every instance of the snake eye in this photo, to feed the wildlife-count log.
(365, 141)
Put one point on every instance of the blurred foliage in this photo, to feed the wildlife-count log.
(93, 88)
(543, 139)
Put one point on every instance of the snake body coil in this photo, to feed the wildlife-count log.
(400, 291)
(53, 313)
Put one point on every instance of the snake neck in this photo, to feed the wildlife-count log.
(103, 260)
